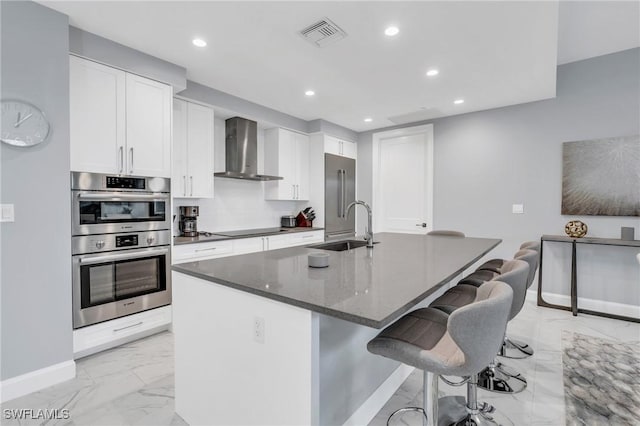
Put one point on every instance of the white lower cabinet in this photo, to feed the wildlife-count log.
(201, 251)
(98, 337)
(204, 251)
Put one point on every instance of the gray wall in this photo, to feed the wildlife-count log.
(247, 109)
(332, 129)
(108, 52)
(35, 249)
(489, 160)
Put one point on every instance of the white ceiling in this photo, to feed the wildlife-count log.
(491, 54)
(593, 28)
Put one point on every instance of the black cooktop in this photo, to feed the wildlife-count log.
(247, 232)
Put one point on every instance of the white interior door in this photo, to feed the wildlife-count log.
(403, 181)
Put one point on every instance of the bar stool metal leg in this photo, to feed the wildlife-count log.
(455, 411)
(501, 379)
(515, 349)
(429, 408)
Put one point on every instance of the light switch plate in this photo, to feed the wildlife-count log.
(517, 208)
(7, 213)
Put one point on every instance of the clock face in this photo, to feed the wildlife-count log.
(22, 124)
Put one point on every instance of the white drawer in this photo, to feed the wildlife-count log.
(201, 251)
(304, 238)
(98, 337)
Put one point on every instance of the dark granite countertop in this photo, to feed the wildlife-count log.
(365, 286)
(249, 233)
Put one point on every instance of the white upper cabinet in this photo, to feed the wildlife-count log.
(97, 105)
(192, 150)
(286, 154)
(340, 147)
(120, 122)
(148, 127)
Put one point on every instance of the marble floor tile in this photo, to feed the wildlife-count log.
(134, 383)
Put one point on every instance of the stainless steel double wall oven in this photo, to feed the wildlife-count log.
(120, 245)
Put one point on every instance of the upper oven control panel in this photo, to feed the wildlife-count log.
(117, 182)
(110, 242)
(84, 181)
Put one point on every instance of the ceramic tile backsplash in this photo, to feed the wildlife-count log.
(238, 204)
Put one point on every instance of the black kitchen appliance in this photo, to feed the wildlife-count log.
(189, 221)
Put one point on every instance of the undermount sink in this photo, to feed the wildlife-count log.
(341, 245)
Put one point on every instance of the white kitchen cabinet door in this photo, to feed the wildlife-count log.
(179, 171)
(274, 242)
(305, 238)
(97, 117)
(148, 150)
(287, 155)
(249, 245)
(199, 151)
(302, 166)
(340, 147)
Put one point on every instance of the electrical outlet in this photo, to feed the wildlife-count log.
(7, 213)
(517, 208)
(258, 329)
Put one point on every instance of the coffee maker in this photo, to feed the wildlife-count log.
(189, 221)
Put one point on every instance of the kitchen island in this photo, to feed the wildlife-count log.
(263, 339)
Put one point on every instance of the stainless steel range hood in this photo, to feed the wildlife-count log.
(242, 151)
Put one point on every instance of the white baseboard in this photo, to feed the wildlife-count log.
(591, 304)
(24, 384)
(380, 397)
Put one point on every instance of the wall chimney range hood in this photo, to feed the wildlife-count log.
(241, 154)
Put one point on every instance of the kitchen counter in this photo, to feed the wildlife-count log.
(263, 330)
(247, 233)
(366, 286)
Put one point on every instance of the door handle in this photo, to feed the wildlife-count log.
(131, 160)
(184, 184)
(191, 186)
(121, 158)
(423, 225)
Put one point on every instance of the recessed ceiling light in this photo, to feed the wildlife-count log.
(433, 72)
(391, 31)
(198, 42)
(458, 101)
(368, 120)
(309, 93)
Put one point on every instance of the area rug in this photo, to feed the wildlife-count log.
(601, 381)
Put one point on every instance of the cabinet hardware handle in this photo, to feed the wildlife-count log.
(293, 192)
(121, 158)
(115, 330)
(184, 185)
(308, 236)
(422, 225)
(131, 159)
(207, 249)
(191, 186)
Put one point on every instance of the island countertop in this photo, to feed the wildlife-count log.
(365, 286)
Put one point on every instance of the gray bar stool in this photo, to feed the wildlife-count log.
(460, 344)
(513, 348)
(446, 233)
(497, 377)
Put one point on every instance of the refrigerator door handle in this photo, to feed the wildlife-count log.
(343, 194)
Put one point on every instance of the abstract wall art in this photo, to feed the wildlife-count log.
(601, 177)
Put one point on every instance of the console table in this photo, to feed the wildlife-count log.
(574, 284)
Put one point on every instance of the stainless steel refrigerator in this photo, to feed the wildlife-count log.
(339, 191)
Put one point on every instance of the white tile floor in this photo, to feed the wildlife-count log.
(133, 384)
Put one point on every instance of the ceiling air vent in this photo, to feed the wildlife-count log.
(323, 33)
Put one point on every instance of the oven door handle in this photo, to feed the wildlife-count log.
(118, 197)
(122, 256)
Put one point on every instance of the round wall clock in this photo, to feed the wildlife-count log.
(23, 124)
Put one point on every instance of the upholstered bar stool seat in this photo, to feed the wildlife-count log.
(446, 233)
(496, 377)
(460, 344)
(514, 348)
(478, 278)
